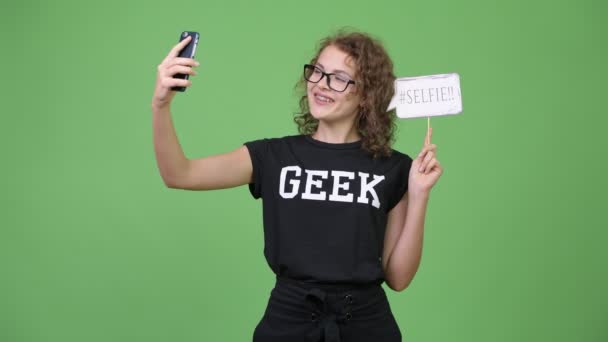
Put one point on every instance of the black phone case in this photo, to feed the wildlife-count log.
(186, 52)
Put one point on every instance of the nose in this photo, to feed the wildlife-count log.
(324, 82)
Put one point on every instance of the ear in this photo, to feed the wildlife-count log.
(362, 111)
(362, 100)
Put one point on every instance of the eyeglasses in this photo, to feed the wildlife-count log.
(336, 82)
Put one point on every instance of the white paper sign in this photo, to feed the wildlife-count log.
(424, 96)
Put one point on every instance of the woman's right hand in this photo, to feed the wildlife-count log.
(171, 65)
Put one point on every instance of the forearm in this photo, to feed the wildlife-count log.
(405, 257)
(170, 158)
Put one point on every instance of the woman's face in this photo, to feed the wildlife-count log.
(325, 103)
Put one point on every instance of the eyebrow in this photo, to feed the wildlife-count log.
(337, 70)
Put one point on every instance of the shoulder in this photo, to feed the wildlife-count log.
(273, 143)
(285, 138)
(400, 155)
(398, 161)
(399, 158)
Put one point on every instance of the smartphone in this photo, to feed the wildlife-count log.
(187, 52)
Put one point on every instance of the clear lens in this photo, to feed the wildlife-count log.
(312, 74)
(338, 83)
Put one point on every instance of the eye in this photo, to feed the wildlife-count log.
(317, 71)
(342, 78)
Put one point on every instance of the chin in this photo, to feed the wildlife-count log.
(316, 112)
(316, 115)
(319, 114)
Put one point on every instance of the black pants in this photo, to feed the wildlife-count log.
(301, 312)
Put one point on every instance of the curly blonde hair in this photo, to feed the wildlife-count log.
(375, 84)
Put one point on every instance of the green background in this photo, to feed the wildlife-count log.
(94, 247)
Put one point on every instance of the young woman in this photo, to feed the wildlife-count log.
(343, 211)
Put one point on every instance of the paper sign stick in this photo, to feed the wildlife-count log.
(426, 96)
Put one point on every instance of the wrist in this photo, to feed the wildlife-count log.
(418, 195)
(158, 106)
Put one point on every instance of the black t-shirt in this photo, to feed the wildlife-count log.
(325, 207)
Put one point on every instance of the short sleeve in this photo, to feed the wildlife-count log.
(401, 181)
(258, 150)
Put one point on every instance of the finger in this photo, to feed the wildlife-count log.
(437, 168)
(426, 148)
(184, 61)
(176, 82)
(427, 138)
(423, 161)
(427, 158)
(189, 62)
(180, 69)
(421, 155)
(179, 46)
(176, 69)
(431, 147)
(431, 165)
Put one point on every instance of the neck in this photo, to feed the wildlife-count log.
(336, 133)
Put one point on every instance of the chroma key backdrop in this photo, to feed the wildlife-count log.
(94, 247)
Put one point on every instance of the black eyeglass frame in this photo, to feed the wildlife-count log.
(325, 74)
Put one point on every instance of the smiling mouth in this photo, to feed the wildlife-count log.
(323, 100)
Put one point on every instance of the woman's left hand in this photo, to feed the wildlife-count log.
(425, 169)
